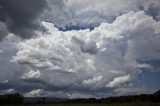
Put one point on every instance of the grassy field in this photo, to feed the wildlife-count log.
(122, 104)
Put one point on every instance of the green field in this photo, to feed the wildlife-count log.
(122, 104)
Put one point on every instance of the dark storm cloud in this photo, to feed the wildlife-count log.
(154, 12)
(3, 30)
(21, 17)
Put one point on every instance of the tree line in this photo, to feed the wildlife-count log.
(16, 98)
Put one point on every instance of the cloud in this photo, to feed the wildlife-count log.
(58, 13)
(99, 11)
(119, 81)
(8, 49)
(78, 95)
(133, 91)
(93, 80)
(7, 91)
(3, 30)
(11, 91)
(66, 59)
(34, 93)
(31, 74)
(5, 81)
(77, 63)
(23, 18)
(1, 51)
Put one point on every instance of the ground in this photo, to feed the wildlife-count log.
(122, 104)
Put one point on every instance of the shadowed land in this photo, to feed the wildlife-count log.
(91, 104)
(131, 100)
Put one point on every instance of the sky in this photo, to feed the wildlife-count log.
(79, 49)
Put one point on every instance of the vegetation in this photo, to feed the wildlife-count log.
(11, 99)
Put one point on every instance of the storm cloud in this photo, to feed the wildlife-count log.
(119, 46)
(21, 17)
(109, 58)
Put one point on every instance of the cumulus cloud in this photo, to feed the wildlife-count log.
(118, 81)
(31, 74)
(34, 93)
(108, 56)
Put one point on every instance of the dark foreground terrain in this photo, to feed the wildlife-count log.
(131, 100)
(93, 104)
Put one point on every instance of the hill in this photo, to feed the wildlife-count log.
(157, 93)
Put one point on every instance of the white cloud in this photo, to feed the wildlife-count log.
(78, 95)
(34, 93)
(144, 66)
(1, 51)
(133, 91)
(118, 81)
(32, 74)
(11, 91)
(68, 59)
(7, 91)
(93, 80)
(5, 81)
